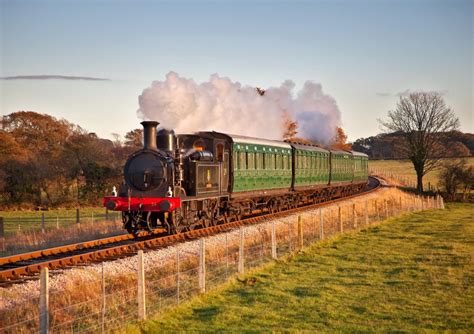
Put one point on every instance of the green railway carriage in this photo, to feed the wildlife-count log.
(342, 167)
(260, 165)
(361, 166)
(310, 166)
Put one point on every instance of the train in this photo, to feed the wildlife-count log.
(187, 181)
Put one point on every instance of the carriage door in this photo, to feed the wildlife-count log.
(223, 157)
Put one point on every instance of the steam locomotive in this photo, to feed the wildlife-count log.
(182, 182)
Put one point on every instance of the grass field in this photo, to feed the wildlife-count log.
(20, 221)
(404, 168)
(410, 274)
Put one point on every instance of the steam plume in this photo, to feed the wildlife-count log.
(226, 106)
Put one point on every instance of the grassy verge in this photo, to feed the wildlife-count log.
(412, 273)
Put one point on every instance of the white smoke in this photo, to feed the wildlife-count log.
(226, 106)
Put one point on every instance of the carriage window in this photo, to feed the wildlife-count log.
(220, 152)
(259, 160)
(236, 161)
(250, 160)
(243, 160)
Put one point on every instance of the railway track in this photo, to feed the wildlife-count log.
(28, 264)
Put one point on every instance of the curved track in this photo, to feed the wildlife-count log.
(27, 264)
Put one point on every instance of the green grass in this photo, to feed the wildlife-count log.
(405, 168)
(414, 273)
(31, 220)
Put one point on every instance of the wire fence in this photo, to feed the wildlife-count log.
(24, 234)
(104, 301)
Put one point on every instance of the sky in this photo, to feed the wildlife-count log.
(365, 54)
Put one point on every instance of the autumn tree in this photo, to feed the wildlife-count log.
(134, 138)
(290, 129)
(340, 141)
(425, 122)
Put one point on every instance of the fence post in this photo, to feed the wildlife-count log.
(274, 241)
(354, 215)
(377, 210)
(226, 256)
(400, 203)
(339, 215)
(2, 234)
(202, 266)
(386, 208)
(422, 204)
(103, 300)
(241, 251)
(442, 202)
(300, 232)
(78, 217)
(57, 222)
(44, 301)
(141, 287)
(321, 224)
(106, 214)
(92, 217)
(366, 212)
(42, 222)
(178, 282)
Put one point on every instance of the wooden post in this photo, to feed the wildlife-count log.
(366, 212)
(78, 217)
(57, 222)
(321, 224)
(226, 256)
(2, 234)
(92, 217)
(386, 208)
(106, 214)
(141, 287)
(400, 203)
(354, 215)
(377, 210)
(289, 237)
(422, 204)
(178, 283)
(339, 215)
(42, 222)
(44, 301)
(300, 233)
(241, 268)
(103, 300)
(274, 242)
(202, 266)
(442, 202)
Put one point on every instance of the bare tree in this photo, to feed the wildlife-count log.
(425, 121)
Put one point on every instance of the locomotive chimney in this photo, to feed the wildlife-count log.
(149, 135)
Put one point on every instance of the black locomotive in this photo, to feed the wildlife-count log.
(181, 182)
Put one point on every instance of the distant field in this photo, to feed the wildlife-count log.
(414, 273)
(405, 169)
(31, 220)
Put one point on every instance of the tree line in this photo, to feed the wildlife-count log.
(392, 145)
(46, 161)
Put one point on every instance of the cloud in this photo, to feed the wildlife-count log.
(53, 77)
(407, 92)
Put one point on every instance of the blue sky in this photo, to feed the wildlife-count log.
(363, 53)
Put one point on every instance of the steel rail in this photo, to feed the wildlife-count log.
(133, 245)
